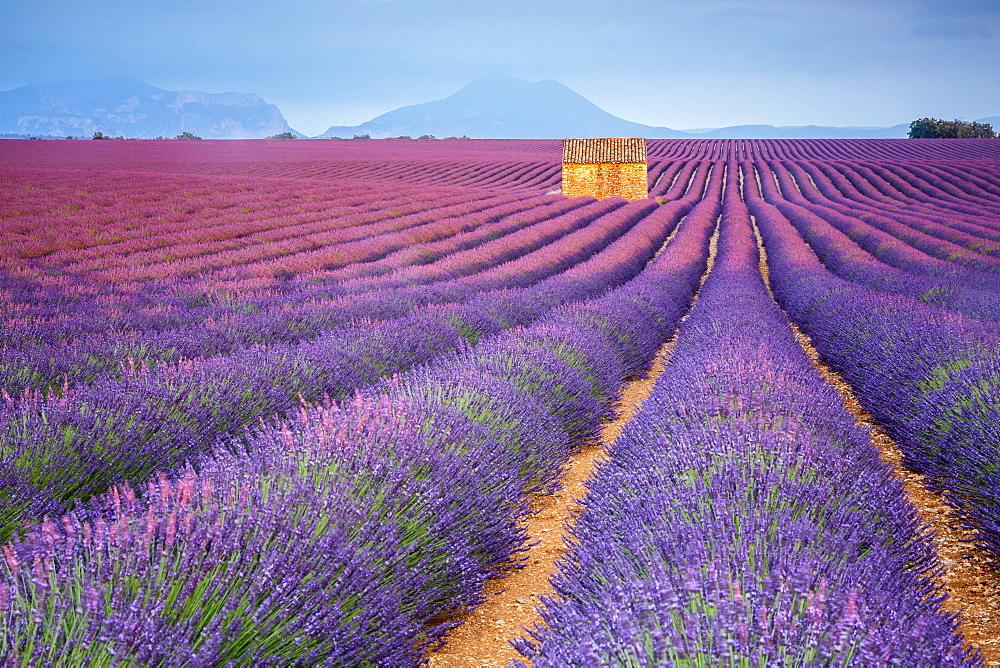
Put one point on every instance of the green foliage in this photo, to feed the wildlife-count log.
(935, 128)
(426, 137)
(187, 135)
(362, 136)
(282, 135)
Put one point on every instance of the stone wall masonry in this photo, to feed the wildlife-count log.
(605, 180)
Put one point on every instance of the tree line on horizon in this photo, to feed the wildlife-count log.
(936, 128)
(922, 128)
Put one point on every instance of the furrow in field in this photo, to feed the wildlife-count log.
(483, 638)
(485, 634)
(743, 514)
(972, 585)
(928, 376)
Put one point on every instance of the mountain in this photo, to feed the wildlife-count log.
(801, 132)
(132, 108)
(503, 107)
(494, 106)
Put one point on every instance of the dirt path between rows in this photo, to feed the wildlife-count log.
(971, 584)
(510, 606)
(973, 587)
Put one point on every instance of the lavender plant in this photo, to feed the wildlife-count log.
(742, 518)
(928, 376)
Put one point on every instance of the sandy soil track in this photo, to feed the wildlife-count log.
(510, 607)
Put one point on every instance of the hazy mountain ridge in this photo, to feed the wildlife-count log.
(802, 132)
(495, 106)
(132, 108)
(504, 107)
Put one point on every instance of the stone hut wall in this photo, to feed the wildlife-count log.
(613, 167)
(605, 180)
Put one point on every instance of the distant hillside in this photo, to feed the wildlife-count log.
(132, 108)
(503, 107)
(802, 132)
(495, 106)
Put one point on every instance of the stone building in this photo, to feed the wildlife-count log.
(612, 167)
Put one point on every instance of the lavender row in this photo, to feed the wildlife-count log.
(336, 252)
(973, 182)
(500, 164)
(58, 449)
(503, 263)
(972, 233)
(271, 320)
(942, 232)
(922, 185)
(859, 188)
(62, 216)
(742, 518)
(869, 232)
(961, 240)
(517, 176)
(840, 254)
(150, 295)
(930, 377)
(826, 150)
(349, 535)
(223, 239)
(880, 185)
(119, 216)
(470, 236)
(196, 330)
(94, 359)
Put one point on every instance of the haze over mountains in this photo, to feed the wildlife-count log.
(132, 108)
(505, 107)
(494, 106)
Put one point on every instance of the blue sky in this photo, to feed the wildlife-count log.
(675, 63)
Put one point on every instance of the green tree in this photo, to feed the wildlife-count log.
(935, 128)
(282, 135)
(187, 135)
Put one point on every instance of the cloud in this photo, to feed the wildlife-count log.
(952, 30)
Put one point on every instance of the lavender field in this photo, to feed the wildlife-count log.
(287, 402)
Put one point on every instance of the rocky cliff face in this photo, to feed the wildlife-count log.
(132, 108)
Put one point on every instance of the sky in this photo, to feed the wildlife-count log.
(683, 64)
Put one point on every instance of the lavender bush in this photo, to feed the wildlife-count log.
(928, 376)
(742, 518)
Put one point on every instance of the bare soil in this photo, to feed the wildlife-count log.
(511, 607)
(972, 585)
(483, 638)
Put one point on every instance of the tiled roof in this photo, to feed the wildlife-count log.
(596, 151)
